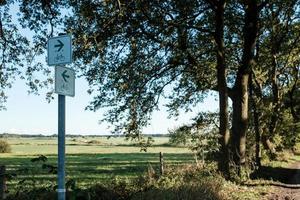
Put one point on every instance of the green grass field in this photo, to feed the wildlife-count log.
(94, 160)
(88, 160)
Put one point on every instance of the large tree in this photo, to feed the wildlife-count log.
(137, 48)
(133, 53)
(275, 72)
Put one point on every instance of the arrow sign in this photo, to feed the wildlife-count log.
(59, 50)
(64, 81)
(59, 46)
(65, 76)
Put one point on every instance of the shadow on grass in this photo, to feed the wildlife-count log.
(90, 168)
(278, 174)
(153, 145)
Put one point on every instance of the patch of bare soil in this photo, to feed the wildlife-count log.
(291, 190)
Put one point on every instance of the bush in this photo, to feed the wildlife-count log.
(94, 142)
(186, 182)
(201, 136)
(4, 147)
(36, 194)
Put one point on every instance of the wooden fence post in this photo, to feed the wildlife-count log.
(161, 161)
(2, 182)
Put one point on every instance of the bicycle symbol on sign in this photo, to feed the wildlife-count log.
(59, 58)
(64, 87)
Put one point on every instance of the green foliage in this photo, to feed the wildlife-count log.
(185, 182)
(133, 53)
(200, 136)
(4, 147)
(180, 136)
(144, 144)
(38, 194)
(18, 52)
(276, 77)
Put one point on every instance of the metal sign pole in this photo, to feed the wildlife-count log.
(60, 53)
(61, 147)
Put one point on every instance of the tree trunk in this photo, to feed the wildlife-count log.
(223, 164)
(275, 88)
(295, 114)
(240, 120)
(240, 89)
(268, 145)
(292, 104)
(2, 182)
(256, 123)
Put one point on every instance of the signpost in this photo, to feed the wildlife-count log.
(60, 53)
(61, 190)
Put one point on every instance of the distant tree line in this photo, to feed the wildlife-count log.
(15, 135)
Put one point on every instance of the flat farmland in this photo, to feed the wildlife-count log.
(89, 160)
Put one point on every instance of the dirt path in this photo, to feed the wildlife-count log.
(289, 191)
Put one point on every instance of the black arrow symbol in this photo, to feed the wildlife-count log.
(59, 46)
(65, 76)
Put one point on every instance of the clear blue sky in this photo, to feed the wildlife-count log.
(30, 114)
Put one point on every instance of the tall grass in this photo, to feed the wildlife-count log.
(189, 182)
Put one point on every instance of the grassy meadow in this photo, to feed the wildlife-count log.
(118, 165)
(89, 160)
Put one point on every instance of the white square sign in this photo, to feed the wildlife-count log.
(64, 81)
(59, 50)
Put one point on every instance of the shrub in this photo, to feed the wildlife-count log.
(94, 142)
(4, 147)
(186, 182)
(37, 193)
(201, 136)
